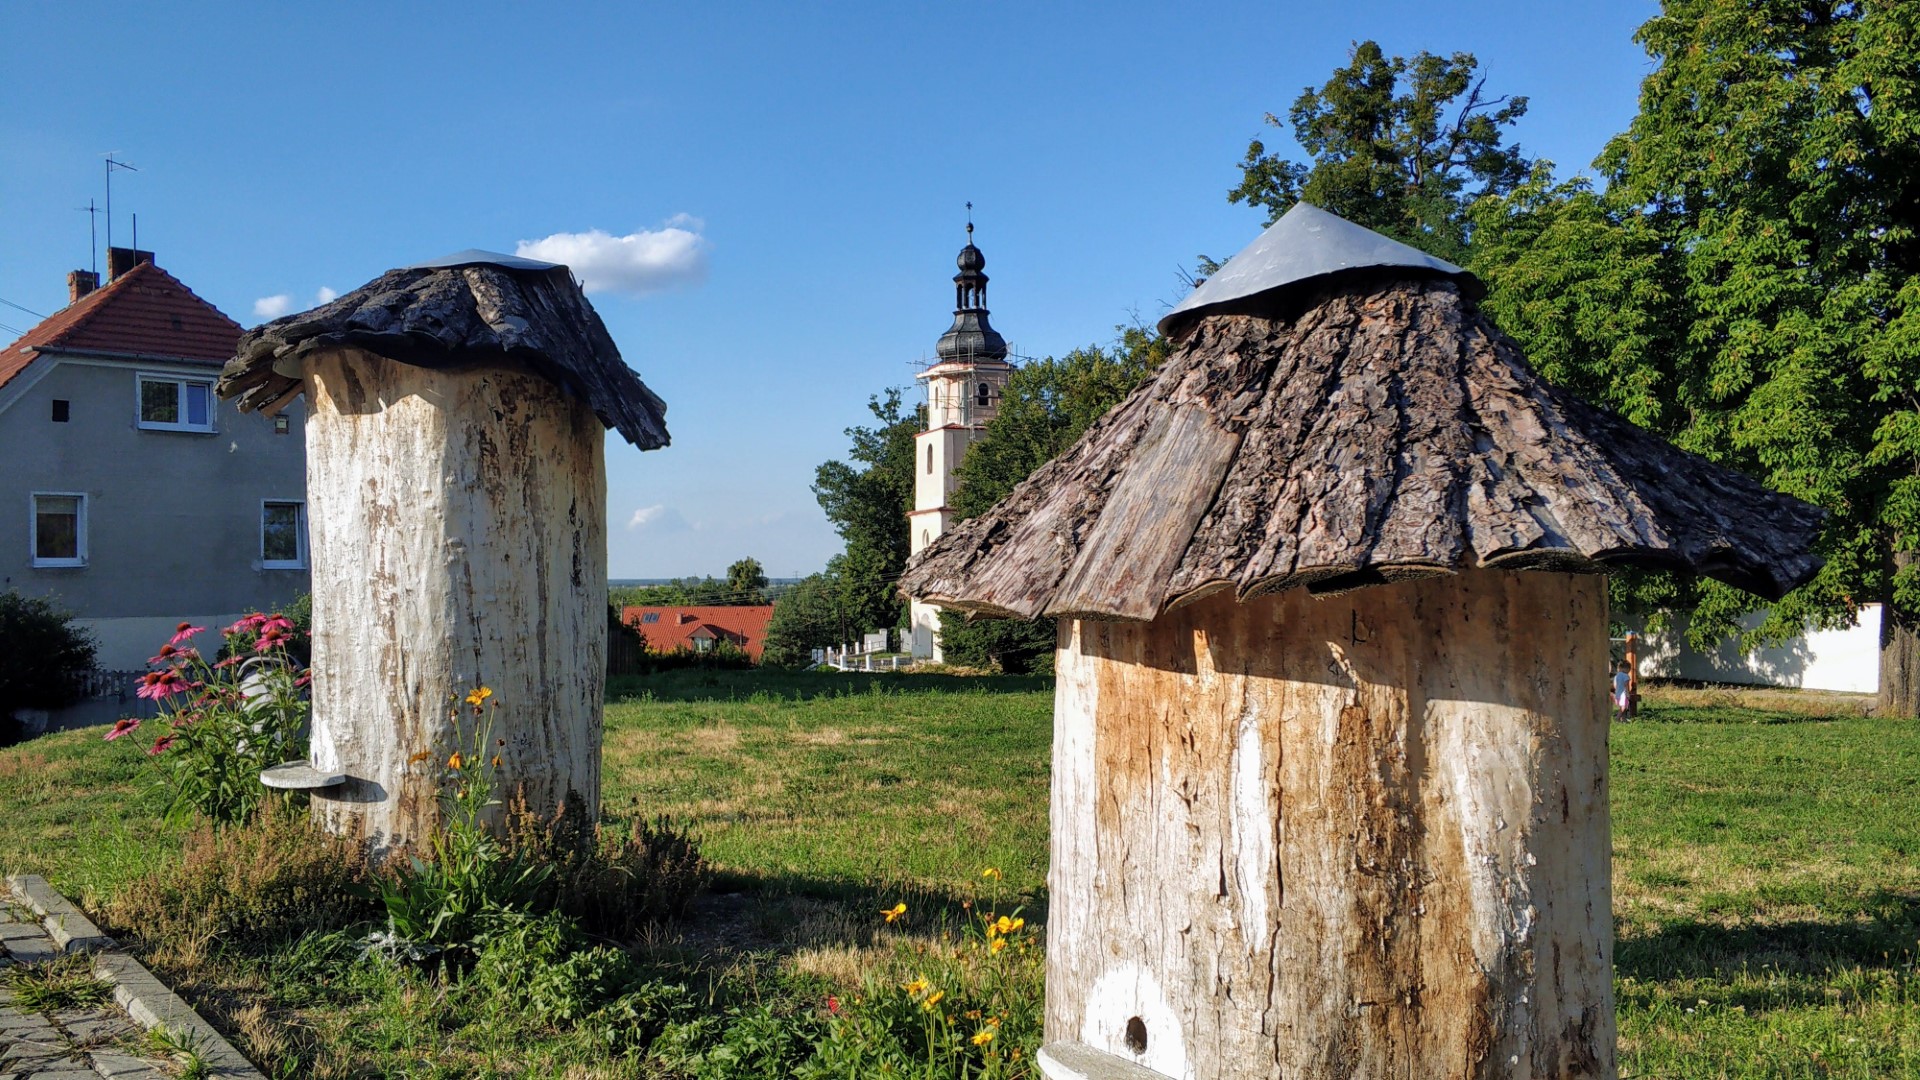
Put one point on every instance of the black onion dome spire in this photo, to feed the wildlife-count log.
(971, 338)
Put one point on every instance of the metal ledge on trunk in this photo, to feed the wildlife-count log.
(300, 776)
(1078, 1061)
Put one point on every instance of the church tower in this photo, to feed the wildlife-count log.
(963, 393)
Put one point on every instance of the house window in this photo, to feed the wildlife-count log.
(983, 396)
(59, 529)
(929, 459)
(282, 424)
(702, 644)
(61, 410)
(174, 404)
(283, 536)
(649, 616)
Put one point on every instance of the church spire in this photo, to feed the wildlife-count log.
(971, 338)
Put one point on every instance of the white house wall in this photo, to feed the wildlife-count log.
(1847, 660)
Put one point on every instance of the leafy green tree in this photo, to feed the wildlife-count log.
(1400, 146)
(1749, 285)
(821, 609)
(867, 499)
(43, 656)
(747, 582)
(1047, 405)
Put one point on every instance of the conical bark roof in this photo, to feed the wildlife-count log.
(469, 308)
(1356, 430)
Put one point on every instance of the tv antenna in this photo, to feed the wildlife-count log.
(112, 165)
(93, 234)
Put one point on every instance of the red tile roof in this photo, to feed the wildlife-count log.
(144, 312)
(676, 627)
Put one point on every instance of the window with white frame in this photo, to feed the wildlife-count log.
(283, 535)
(59, 529)
(175, 403)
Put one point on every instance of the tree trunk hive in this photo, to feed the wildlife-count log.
(457, 507)
(1330, 777)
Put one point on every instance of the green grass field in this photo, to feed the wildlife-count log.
(1766, 871)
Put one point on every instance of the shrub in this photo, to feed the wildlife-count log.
(43, 656)
(615, 877)
(268, 880)
(226, 720)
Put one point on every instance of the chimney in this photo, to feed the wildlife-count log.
(80, 283)
(120, 260)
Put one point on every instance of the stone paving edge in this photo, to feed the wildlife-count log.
(69, 928)
(146, 999)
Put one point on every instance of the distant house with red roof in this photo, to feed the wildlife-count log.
(701, 629)
(130, 494)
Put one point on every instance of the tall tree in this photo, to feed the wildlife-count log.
(1749, 285)
(867, 499)
(1399, 145)
(747, 582)
(1045, 408)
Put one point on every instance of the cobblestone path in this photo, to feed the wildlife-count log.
(82, 1043)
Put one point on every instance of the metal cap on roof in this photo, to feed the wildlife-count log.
(1306, 243)
(476, 256)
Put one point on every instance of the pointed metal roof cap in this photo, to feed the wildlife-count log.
(1305, 244)
(478, 257)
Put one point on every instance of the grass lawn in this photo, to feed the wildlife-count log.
(1766, 876)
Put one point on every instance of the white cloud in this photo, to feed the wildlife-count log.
(324, 295)
(659, 518)
(641, 262)
(272, 307)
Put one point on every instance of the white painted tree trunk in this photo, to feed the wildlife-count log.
(1361, 837)
(458, 539)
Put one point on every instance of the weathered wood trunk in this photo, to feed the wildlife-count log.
(1361, 836)
(458, 528)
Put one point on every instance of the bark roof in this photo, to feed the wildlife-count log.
(453, 313)
(1360, 428)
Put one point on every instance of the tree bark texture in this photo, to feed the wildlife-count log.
(1359, 837)
(1899, 654)
(458, 539)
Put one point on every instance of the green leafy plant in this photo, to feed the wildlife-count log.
(439, 898)
(226, 719)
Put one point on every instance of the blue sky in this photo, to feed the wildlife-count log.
(780, 187)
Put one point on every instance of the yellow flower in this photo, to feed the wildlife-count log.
(454, 762)
(916, 987)
(998, 944)
(983, 1037)
(895, 911)
(990, 872)
(932, 1000)
(479, 695)
(1004, 925)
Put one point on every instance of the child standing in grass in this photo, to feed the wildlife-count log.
(1622, 690)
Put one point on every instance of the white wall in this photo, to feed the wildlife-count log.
(1846, 659)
